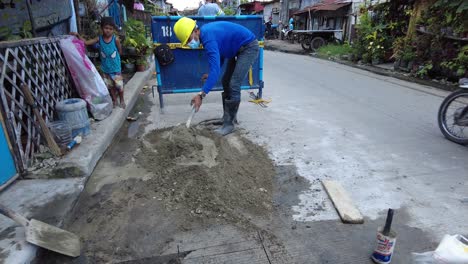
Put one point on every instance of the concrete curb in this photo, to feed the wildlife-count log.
(393, 74)
(286, 50)
(372, 69)
(82, 160)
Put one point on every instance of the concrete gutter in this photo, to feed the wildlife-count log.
(45, 197)
(81, 161)
(286, 50)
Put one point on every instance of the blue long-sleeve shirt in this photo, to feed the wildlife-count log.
(222, 40)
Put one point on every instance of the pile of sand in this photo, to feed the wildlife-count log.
(208, 175)
(184, 179)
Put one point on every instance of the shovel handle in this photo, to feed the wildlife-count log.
(13, 215)
(388, 223)
(189, 121)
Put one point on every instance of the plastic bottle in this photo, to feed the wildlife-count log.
(62, 132)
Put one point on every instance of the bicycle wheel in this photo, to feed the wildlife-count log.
(453, 117)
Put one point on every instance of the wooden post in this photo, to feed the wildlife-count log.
(31, 18)
(418, 7)
(76, 4)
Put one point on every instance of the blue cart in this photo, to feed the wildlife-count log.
(184, 74)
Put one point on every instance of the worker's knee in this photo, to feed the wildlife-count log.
(235, 95)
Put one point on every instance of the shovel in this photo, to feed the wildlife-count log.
(189, 120)
(45, 235)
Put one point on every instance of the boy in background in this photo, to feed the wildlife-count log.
(109, 53)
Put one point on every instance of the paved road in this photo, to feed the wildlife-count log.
(376, 135)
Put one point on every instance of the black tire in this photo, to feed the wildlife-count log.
(442, 118)
(317, 42)
(305, 43)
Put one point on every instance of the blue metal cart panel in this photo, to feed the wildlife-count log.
(7, 163)
(184, 74)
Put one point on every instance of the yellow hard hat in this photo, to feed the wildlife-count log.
(183, 28)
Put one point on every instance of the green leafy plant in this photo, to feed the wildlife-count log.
(371, 39)
(135, 37)
(424, 70)
(6, 34)
(128, 61)
(398, 47)
(459, 6)
(459, 65)
(228, 11)
(155, 10)
(26, 30)
(408, 53)
(141, 61)
(334, 50)
(129, 42)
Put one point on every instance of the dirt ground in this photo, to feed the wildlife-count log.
(190, 177)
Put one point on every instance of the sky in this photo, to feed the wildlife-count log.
(182, 4)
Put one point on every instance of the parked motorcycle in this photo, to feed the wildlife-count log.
(287, 33)
(453, 115)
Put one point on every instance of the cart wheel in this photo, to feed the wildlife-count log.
(316, 43)
(305, 43)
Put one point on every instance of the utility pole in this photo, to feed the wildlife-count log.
(284, 7)
(238, 7)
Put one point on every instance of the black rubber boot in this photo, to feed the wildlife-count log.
(223, 95)
(220, 122)
(231, 107)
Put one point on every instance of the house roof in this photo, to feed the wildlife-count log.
(270, 2)
(253, 6)
(325, 5)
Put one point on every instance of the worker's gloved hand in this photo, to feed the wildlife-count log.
(196, 102)
(204, 77)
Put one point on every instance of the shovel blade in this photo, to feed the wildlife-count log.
(52, 238)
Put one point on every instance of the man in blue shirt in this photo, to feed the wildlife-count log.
(210, 8)
(221, 40)
(291, 23)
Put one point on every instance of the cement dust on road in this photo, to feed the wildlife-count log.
(190, 178)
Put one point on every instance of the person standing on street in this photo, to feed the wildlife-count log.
(291, 23)
(210, 8)
(222, 41)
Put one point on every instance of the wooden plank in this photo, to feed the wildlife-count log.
(223, 249)
(248, 256)
(343, 203)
